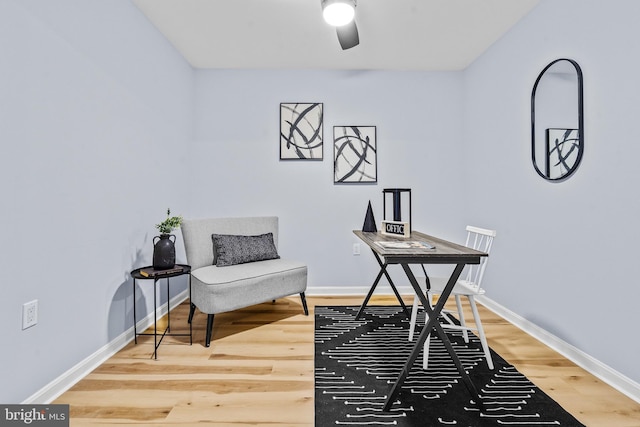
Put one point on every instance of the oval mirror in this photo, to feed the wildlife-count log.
(557, 131)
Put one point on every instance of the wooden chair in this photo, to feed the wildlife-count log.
(470, 287)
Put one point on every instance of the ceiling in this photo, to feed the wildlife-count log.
(394, 34)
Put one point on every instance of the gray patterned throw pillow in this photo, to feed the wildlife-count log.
(230, 249)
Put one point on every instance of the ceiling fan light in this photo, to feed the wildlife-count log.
(338, 12)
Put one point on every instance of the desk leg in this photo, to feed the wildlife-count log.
(373, 288)
(428, 328)
(383, 270)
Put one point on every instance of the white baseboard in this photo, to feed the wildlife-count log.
(615, 379)
(381, 289)
(64, 382)
(610, 376)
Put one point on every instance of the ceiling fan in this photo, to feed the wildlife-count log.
(341, 14)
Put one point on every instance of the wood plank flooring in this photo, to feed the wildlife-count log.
(259, 372)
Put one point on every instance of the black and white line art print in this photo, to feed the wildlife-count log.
(355, 154)
(301, 131)
(563, 149)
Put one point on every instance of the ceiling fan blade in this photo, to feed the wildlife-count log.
(348, 35)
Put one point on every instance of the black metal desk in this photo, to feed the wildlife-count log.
(444, 253)
(156, 275)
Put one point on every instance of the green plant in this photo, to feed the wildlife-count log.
(166, 226)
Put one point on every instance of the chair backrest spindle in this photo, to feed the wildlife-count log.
(480, 239)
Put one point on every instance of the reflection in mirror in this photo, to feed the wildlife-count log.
(557, 131)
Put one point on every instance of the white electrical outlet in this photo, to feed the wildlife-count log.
(29, 314)
(356, 248)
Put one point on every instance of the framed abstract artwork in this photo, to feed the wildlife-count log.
(301, 131)
(355, 154)
(563, 150)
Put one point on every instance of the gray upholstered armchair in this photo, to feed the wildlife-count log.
(234, 264)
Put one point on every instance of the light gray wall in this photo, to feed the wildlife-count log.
(235, 166)
(103, 126)
(96, 111)
(565, 253)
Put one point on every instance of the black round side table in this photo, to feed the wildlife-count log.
(149, 273)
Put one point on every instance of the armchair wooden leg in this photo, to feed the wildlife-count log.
(192, 310)
(209, 329)
(304, 303)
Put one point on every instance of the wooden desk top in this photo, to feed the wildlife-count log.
(445, 252)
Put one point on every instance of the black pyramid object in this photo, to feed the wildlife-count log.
(369, 221)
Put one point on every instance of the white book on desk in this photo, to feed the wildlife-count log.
(406, 245)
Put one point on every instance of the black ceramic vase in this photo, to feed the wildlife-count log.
(164, 252)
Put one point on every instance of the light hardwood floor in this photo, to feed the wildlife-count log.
(259, 372)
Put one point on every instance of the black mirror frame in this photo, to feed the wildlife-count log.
(580, 121)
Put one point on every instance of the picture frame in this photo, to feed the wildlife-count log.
(301, 131)
(355, 157)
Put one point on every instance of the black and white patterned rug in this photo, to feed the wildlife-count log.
(356, 363)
